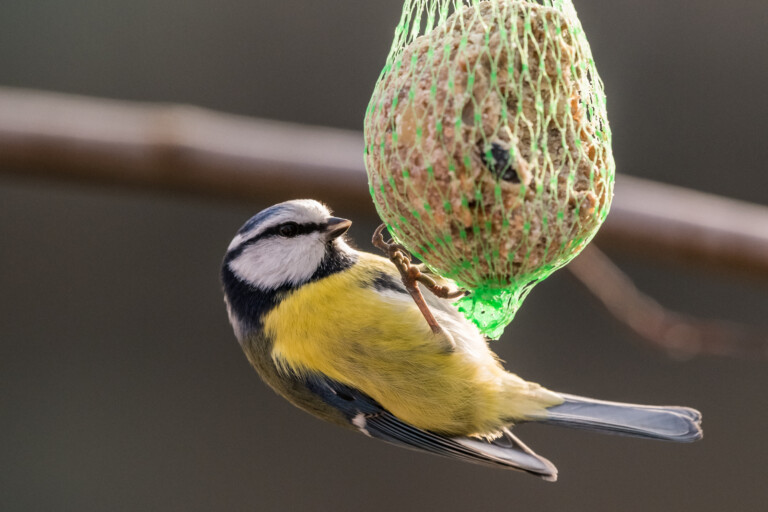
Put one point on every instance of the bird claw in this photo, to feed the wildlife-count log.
(411, 276)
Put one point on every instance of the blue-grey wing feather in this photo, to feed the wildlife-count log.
(372, 419)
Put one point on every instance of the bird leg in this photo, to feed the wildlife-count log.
(412, 276)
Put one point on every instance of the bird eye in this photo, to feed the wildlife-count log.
(288, 230)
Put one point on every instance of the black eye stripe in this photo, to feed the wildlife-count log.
(274, 231)
(301, 229)
(289, 230)
(305, 229)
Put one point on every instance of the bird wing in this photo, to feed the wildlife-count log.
(371, 419)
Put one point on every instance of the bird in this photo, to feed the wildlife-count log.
(334, 331)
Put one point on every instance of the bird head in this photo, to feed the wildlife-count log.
(286, 246)
(278, 250)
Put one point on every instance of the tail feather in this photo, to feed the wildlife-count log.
(680, 424)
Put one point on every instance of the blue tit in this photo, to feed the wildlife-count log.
(334, 331)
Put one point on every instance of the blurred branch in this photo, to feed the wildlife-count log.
(679, 335)
(657, 220)
(175, 147)
(183, 148)
(191, 149)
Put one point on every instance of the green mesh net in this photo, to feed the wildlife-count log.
(488, 148)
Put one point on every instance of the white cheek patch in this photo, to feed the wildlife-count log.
(276, 261)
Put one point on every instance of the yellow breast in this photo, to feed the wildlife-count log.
(342, 327)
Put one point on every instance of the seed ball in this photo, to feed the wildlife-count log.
(487, 146)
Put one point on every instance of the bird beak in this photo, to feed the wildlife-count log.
(336, 227)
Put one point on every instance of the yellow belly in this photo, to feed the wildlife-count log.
(341, 327)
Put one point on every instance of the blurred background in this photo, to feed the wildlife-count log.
(122, 386)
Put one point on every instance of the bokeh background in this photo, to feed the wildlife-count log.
(122, 386)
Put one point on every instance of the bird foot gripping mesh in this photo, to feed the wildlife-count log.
(488, 148)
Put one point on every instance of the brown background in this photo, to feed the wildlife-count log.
(121, 385)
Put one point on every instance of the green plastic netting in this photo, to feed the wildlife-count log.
(488, 148)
